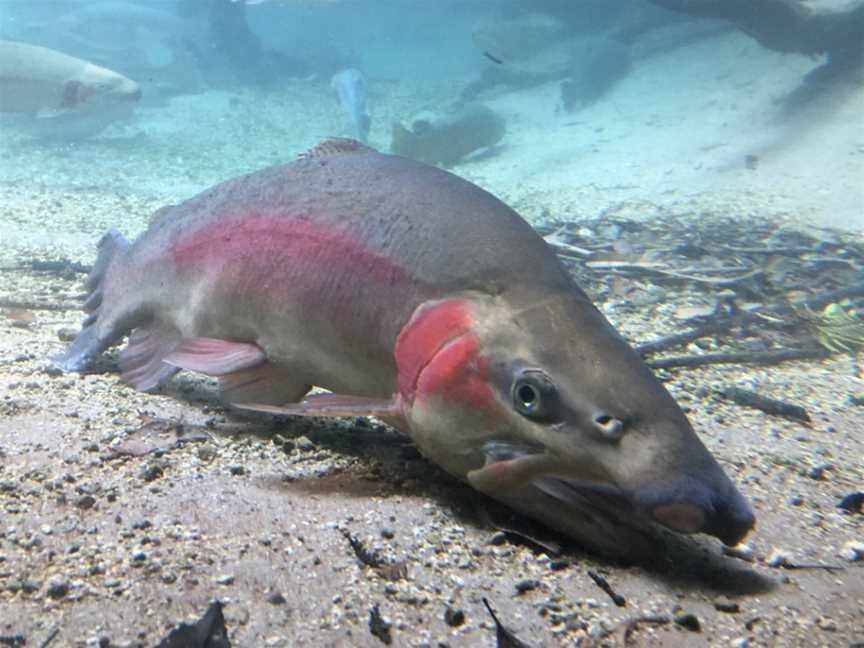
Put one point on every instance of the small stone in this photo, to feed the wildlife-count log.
(57, 588)
(689, 621)
(852, 551)
(724, 604)
(225, 579)
(152, 472)
(139, 556)
(206, 452)
(85, 502)
(777, 558)
(527, 585)
(303, 443)
(558, 564)
(827, 624)
(387, 534)
(454, 617)
(66, 334)
(741, 551)
(741, 642)
(818, 472)
(276, 598)
(498, 538)
(237, 469)
(853, 502)
(142, 524)
(168, 577)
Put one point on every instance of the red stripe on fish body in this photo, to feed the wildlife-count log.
(437, 354)
(267, 243)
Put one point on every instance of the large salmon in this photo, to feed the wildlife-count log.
(416, 296)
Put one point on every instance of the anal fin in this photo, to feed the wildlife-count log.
(265, 383)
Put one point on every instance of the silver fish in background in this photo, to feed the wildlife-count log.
(350, 88)
(415, 296)
(44, 82)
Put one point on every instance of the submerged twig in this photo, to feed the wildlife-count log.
(10, 302)
(738, 357)
(723, 323)
(603, 584)
(768, 405)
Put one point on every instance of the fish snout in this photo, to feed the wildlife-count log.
(689, 505)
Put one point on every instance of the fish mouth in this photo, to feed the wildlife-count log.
(684, 504)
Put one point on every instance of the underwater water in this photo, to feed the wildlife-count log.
(698, 169)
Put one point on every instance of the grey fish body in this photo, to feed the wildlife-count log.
(416, 296)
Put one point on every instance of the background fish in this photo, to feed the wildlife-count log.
(350, 88)
(47, 83)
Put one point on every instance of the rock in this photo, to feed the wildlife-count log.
(852, 551)
(387, 534)
(276, 598)
(57, 588)
(152, 472)
(740, 551)
(454, 617)
(498, 538)
(303, 444)
(527, 585)
(85, 502)
(225, 579)
(724, 604)
(689, 621)
(777, 558)
(237, 469)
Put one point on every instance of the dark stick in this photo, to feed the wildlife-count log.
(768, 405)
(741, 357)
(603, 584)
(50, 637)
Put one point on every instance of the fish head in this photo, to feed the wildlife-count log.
(547, 406)
(99, 88)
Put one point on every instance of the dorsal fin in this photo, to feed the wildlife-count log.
(335, 146)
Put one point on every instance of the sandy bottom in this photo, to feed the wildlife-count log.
(122, 547)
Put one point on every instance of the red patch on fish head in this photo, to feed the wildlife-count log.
(438, 354)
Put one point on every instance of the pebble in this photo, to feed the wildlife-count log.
(777, 558)
(303, 443)
(724, 604)
(225, 579)
(527, 585)
(85, 502)
(237, 469)
(454, 617)
(852, 551)
(276, 598)
(740, 551)
(206, 452)
(387, 533)
(152, 472)
(689, 621)
(57, 588)
(498, 538)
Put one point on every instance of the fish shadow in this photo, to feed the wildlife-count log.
(392, 466)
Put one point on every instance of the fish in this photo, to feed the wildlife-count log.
(350, 88)
(46, 83)
(450, 136)
(412, 295)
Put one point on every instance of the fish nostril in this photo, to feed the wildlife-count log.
(610, 427)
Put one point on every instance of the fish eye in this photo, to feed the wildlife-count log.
(533, 395)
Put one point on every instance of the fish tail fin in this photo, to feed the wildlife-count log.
(88, 345)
